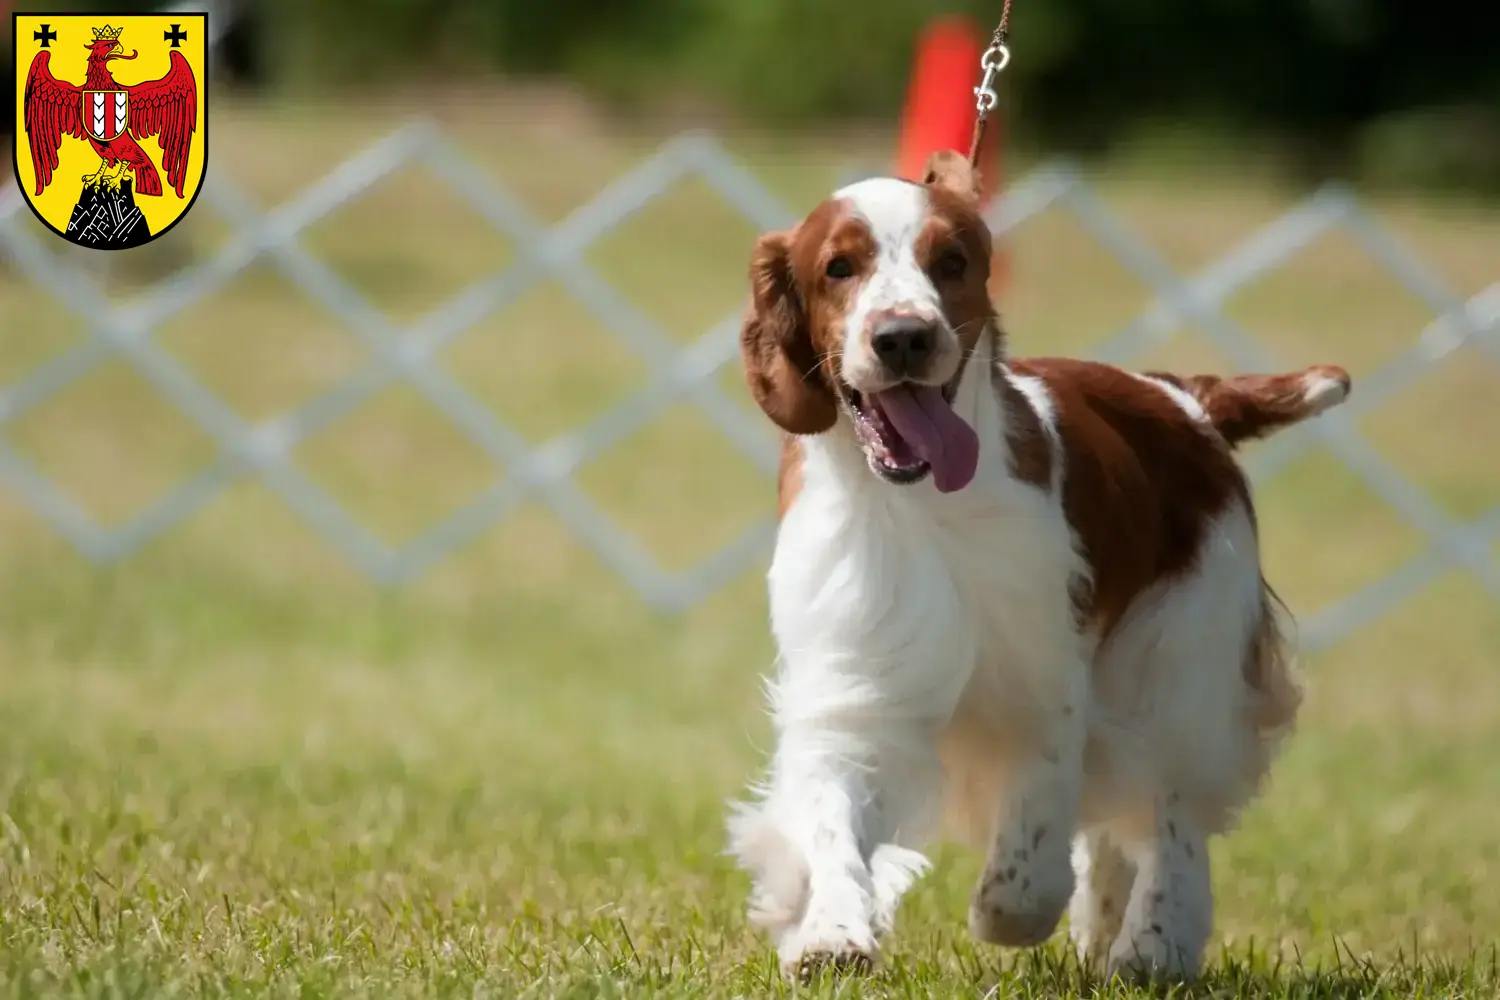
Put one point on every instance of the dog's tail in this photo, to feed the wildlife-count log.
(1245, 407)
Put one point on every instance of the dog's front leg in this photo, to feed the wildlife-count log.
(1028, 876)
(1169, 918)
(821, 842)
(818, 812)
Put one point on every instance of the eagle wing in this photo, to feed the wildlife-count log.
(168, 109)
(53, 108)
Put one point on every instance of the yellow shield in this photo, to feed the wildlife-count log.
(111, 125)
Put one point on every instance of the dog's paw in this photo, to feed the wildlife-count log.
(1151, 957)
(1021, 905)
(1092, 944)
(842, 959)
(818, 945)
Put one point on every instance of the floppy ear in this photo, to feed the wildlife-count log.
(776, 346)
(948, 170)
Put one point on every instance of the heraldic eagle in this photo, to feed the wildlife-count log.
(116, 116)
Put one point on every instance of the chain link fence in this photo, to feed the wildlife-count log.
(124, 330)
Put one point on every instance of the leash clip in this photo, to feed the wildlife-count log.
(993, 62)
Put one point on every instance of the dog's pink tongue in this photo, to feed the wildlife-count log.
(939, 436)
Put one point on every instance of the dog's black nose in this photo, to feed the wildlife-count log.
(904, 344)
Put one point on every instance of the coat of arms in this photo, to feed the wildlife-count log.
(105, 163)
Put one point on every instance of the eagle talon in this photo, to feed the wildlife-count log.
(107, 177)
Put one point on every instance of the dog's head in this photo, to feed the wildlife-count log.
(867, 311)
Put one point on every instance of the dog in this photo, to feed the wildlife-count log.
(1016, 601)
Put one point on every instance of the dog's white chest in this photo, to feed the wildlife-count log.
(912, 595)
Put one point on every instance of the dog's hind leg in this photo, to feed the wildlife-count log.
(1097, 913)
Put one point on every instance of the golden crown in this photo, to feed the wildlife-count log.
(107, 33)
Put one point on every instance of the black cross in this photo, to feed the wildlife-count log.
(176, 36)
(45, 36)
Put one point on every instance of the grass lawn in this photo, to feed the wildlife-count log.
(230, 766)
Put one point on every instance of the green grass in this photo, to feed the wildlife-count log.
(228, 766)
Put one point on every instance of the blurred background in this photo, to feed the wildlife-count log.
(381, 551)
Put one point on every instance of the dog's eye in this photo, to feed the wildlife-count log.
(840, 268)
(950, 265)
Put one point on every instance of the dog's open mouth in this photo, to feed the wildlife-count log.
(910, 430)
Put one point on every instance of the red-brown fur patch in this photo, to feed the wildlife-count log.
(1142, 479)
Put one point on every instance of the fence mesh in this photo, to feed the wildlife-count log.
(404, 354)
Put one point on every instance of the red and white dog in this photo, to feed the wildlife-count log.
(1020, 596)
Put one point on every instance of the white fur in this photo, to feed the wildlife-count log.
(895, 212)
(1040, 400)
(1180, 396)
(1320, 392)
(932, 670)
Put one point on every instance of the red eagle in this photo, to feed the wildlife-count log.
(112, 116)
